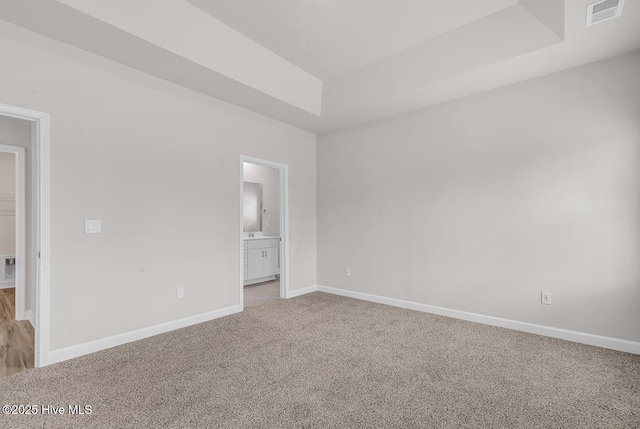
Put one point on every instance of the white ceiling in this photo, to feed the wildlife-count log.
(330, 37)
(325, 65)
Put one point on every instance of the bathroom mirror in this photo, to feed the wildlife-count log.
(252, 207)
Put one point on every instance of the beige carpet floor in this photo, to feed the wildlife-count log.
(324, 361)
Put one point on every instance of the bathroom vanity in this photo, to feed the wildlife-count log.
(260, 259)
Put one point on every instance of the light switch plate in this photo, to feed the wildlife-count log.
(92, 227)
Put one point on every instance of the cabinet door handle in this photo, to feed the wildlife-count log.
(265, 253)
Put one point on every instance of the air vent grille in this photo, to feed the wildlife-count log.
(603, 10)
(605, 5)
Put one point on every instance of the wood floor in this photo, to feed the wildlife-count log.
(262, 292)
(16, 337)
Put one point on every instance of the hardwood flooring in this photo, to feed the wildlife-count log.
(16, 337)
(262, 292)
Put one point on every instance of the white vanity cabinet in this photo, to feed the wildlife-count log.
(260, 259)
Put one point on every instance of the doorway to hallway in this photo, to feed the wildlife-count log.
(32, 256)
(16, 280)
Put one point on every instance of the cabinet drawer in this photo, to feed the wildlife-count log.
(262, 244)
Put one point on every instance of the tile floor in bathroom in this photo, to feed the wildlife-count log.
(261, 292)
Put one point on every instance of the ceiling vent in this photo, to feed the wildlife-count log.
(603, 11)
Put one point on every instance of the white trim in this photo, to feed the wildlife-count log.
(241, 233)
(259, 280)
(284, 224)
(547, 331)
(20, 216)
(284, 232)
(41, 145)
(21, 240)
(31, 317)
(303, 291)
(127, 337)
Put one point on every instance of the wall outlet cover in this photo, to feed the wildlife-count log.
(545, 298)
(92, 226)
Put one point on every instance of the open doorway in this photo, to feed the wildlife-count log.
(17, 333)
(32, 254)
(263, 231)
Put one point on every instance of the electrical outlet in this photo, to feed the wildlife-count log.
(546, 298)
(92, 226)
(347, 272)
(180, 293)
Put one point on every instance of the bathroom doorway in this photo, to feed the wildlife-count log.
(263, 270)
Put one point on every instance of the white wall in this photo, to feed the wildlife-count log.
(7, 169)
(270, 179)
(158, 164)
(482, 203)
(7, 186)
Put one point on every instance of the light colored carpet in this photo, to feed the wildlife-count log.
(324, 361)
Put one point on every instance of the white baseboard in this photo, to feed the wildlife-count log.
(7, 285)
(116, 340)
(28, 315)
(548, 331)
(259, 280)
(303, 291)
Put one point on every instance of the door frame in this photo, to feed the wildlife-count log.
(284, 224)
(40, 138)
(20, 222)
